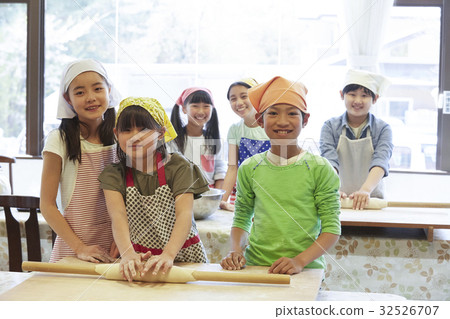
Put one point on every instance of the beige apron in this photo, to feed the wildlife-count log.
(355, 158)
(151, 220)
(86, 212)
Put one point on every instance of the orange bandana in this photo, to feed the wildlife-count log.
(278, 91)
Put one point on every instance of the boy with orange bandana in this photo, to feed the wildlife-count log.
(290, 194)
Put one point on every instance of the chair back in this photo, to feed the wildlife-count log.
(31, 204)
(10, 161)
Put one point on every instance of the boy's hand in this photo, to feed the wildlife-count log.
(233, 261)
(285, 265)
(360, 199)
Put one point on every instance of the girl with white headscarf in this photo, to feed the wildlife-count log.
(74, 155)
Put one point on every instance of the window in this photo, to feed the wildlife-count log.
(410, 58)
(13, 54)
(21, 72)
(159, 48)
(397, 108)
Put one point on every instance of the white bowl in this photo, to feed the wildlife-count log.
(208, 203)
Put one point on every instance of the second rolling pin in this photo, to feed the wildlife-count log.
(376, 203)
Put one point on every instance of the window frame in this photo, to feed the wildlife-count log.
(35, 77)
(443, 138)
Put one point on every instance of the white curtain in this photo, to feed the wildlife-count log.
(365, 24)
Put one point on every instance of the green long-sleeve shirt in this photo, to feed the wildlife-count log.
(290, 205)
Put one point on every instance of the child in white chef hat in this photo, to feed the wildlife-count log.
(357, 144)
(74, 155)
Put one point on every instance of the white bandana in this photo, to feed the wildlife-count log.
(374, 82)
(65, 110)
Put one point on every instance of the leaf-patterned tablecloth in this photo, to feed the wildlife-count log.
(214, 232)
(413, 268)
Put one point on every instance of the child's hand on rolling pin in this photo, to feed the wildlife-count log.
(93, 254)
(158, 263)
(286, 265)
(131, 263)
(235, 260)
(343, 195)
(360, 199)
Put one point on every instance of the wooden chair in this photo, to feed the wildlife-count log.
(10, 161)
(13, 230)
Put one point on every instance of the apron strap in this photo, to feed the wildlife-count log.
(160, 170)
(129, 177)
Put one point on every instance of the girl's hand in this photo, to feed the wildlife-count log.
(360, 199)
(285, 265)
(233, 261)
(343, 195)
(114, 251)
(226, 206)
(158, 263)
(94, 254)
(131, 263)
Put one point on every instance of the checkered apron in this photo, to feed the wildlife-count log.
(151, 220)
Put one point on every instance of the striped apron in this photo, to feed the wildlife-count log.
(86, 213)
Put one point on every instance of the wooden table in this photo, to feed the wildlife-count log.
(426, 218)
(66, 287)
(9, 280)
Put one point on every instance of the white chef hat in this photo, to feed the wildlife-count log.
(374, 82)
(65, 110)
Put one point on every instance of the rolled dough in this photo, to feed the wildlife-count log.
(175, 275)
(374, 203)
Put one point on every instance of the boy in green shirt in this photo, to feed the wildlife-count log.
(287, 204)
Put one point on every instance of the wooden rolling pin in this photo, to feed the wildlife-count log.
(376, 203)
(175, 275)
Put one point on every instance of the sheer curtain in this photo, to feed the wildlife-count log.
(365, 24)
